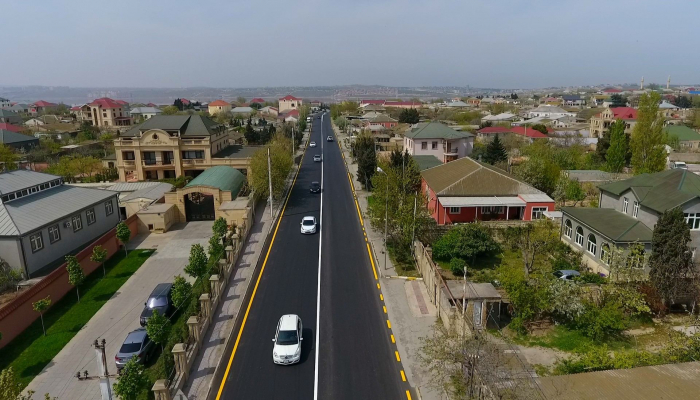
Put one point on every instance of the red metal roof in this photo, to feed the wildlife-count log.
(257, 100)
(10, 127)
(289, 97)
(493, 129)
(122, 102)
(612, 90)
(76, 108)
(219, 103)
(624, 112)
(185, 101)
(105, 102)
(375, 102)
(518, 130)
(42, 103)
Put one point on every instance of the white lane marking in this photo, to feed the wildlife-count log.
(318, 288)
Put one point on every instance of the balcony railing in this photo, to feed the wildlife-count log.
(194, 141)
(129, 163)
(193, 161)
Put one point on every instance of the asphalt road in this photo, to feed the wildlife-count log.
(356, 358)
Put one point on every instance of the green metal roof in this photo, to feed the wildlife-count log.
(682, 132)
(610, 223)
(435, 130)
(8, 137)
(660, 191)
(222, 177)
(425, 162)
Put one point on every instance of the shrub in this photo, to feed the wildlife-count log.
(457, 266)
(652, 298)
(600, 322)
(465, 242)
(588, 277)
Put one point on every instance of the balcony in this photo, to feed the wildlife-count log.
(193, 161)
(190, 142)
(125, 142)
(129, 163)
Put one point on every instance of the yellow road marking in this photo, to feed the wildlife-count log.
(371, 259)
(388, 324)
(392, 339)
(378, 287)
(257, 282)
(403, 376)
(359, 214)
(408, 395)
(397, 356)
(384, 307)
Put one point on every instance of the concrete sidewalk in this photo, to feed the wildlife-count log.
(119, 315)
(407, 302)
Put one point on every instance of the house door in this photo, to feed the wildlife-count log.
(477, 313)
(199, 207)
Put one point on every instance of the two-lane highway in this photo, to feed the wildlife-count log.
(347, 351)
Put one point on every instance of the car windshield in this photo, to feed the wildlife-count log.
(558, 274)
(130, 348)
(308, 222)
(160, 301)
(286, 338)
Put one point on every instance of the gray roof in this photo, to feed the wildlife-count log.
(188, 125)
(594, 175)
(5, 112)
(457, 104)
(131, 186)
(474, 290)
(238, 151)
(242, 110)
(12, 181)
(145, 110)
(660, 191)
(26, 214)
(152, 193)
(425, 161)
(7, 137)
(435, 130)
(610, 223)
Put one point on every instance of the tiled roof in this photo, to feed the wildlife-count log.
(219, 103)
(122, 102)
(258, 100)
(435, 130)
(468, 177)
(612, 90)
(382, 118)
(222, 177)
(289, 97)
(660, 191)
(42, 103)
(624, 113)
(105, 102)
(610, 223)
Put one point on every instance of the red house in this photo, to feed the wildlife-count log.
(466, 190)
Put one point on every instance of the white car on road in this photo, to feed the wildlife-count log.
(288, 337)
(312, 144)
(317, 158)
(308, 225)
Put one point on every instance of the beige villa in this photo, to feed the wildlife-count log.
(109, 113)
(289, 102)
(219, 106)
(169, 146)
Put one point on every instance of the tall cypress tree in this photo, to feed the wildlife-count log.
(617, 153)
(671, 269)
(648, 139)
(495, 151)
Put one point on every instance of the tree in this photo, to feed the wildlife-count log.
(251, 135)
(539, 172)
(617, 100)
(495, 152)
(281, 163)
(170, 110)
(40, 306)
(648, 138)
(682, 102)
(216, 248)
(181, 291)
(158, 328)
(540, 128)
(671, 269)
(76, 276)
(466, 241)
(409, 116)
(569, 189)
(617, 153)
(533, 240)
(99, 255)
(124, 235)
(220, 227)
(366, 158)
(8, 158)
(197, 265)
(11, 388)
(240, 99)
(131, 381)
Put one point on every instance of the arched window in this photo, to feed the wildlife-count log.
(591, 246)
(579, 236)
(567, 229)
(605, 253)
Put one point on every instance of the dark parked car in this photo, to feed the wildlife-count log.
(315, 187)
(137, 344)
(161, 300)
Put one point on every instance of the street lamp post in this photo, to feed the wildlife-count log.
(386, 210)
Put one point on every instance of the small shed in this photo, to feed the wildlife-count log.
(158, 217)
(482, 301)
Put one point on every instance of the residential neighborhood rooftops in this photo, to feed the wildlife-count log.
(682, 132)
(257, 100)
(660, 191)
(222, 177)
(457, 104)
(426, 161)
(611, 223)
(382, 118)
(187, 125)
(219, 103)
(435, 130)
(468, 177)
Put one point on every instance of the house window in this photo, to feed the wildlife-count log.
(579, 236)
(635, 209)
(90, 214)
(77, 223)
(424, 146)
(36, 242)
(567, 228)
(193, 154)
(591, 246)
(109, 207)
(455, 210)
(693, 220)
(54, 234)
(605, 253)
(492, 210)
(624, 205)
(538, 212)
(433, 146)
(128, 155)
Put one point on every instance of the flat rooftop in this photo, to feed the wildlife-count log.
(238, 151)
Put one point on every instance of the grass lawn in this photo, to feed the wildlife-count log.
(31, 351)
(483, 269)
(571, 340)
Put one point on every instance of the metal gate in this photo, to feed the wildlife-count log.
(199, 207)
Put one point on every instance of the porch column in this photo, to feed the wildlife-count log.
(507, 211)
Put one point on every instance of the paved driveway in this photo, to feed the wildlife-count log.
(119, 315)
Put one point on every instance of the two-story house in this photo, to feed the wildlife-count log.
(10, 117)
(169, 146)
(106, 112)
(82, 113)
(439, 140)
(600, 123)
(219, 106)
(627, 213)
(42, 220)
(383, 120)
(289, 103)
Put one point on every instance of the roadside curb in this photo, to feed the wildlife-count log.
(406, 278)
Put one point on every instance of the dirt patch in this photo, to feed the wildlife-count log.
(10, 294)
(542, 355)
(640, 331)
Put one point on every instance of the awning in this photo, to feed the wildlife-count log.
(481, 201)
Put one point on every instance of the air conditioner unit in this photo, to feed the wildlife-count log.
(66, 224)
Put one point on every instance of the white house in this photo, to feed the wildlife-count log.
(502, 117)
(547, 111)
(145, 112)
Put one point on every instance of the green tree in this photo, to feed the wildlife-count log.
(40, 306)
(540, 128)
(569, 189)
(495, 152)
(617, 153)
(123, 234)
(99, 255)
(158, 328)
(132, 381)
(220, 227)
(181, 291)
(10, 387)
(216, 248)
(542, 173)
(409, 116)
(648, 138)
(197, 265)
(366, 158)
(617, 100)
(281, 162)
(533, 240)
(671, 268)
(240, 99)
(601, 148)
(466, 241)
(76, 276)
(170, 110)
(8, 158)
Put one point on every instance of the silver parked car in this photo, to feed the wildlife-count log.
(137, 344)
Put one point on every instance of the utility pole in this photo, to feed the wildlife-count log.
(105, 387)
(415, 208)
(269, 179)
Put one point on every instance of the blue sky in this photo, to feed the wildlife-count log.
(503, 43)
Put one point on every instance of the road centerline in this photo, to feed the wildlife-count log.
(318, 288)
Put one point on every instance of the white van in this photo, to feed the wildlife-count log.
(679, 165)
